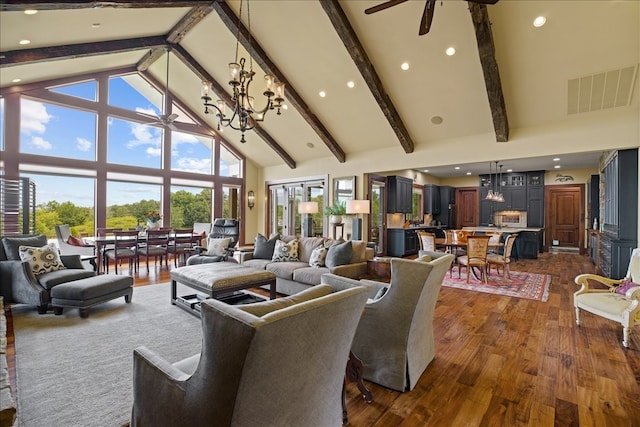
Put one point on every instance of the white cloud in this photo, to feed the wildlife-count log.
(194, 165)
(144, 135)
(33, 117)
(155, 152)
(83, 144)
(40, 143)
(148, 111)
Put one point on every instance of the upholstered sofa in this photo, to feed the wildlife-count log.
(295, 276)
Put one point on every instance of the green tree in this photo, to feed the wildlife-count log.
(68, 213)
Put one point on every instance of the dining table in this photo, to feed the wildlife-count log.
(452, 247)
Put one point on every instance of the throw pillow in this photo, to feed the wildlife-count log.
(425, 258)
(263, 248)
(217, 246)
(318, 256)
(359, 250)
(75, 241)
(285, 251)
(339, 254)
(41, 259)
(624, 286)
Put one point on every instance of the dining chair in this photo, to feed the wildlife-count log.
(125, 246)
(183, 240)
(105, 232)
(476, 257)
(426, 240)
(155, 244)
(502, 260)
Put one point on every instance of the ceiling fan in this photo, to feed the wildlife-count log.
(167, 119)
(427, 15)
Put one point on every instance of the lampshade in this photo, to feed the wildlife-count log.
(308, 207)
(358, 206)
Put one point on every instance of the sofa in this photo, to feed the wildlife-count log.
(303, 269)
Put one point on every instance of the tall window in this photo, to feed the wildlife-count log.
(191, 153)
(129, 202)
(229, 163)
(134, 144)
(189, 205)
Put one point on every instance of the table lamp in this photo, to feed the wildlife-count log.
(307, 209)
(357, 207)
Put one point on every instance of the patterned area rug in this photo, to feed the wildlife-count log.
(521, 285)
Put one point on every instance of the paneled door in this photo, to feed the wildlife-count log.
(467, 210)
(565, 216)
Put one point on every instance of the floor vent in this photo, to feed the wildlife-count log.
(563, 250)
(600, 91)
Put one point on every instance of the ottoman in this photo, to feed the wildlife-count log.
(84, 293)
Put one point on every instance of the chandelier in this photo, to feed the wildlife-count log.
(244, 115)
(495, 196)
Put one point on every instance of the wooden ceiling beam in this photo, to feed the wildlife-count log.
(10, 5)
(359, 55)
(486, 50)
(294, 99)
(219, 90)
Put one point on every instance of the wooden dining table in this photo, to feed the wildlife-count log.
(453, 245)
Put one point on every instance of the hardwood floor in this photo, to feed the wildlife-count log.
(503, 361)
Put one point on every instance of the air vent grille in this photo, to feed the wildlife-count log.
(600, 91)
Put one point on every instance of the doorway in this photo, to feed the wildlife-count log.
(565, 216)
(467, 214)
(378, 218)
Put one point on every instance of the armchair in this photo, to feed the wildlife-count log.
(223, 228)
(394, 337)
(63, 233)
(18, 284)
(624, 309)
(277, 363)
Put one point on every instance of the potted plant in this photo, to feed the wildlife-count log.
(335, 212)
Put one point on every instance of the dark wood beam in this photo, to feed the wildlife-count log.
(9, 5)
(361, 59)
(53, 53)
(219, 90)
(486, 50)
(230, 19)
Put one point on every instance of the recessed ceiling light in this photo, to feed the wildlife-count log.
(285, 107)
(450, 51)
(539, 21)
(457, 168)
(468, 173)
(96, 25)
(557, 159)
(322, 94)
(351, 84)
(310, 144)
(16, 80)
(556, 167)
(436, 120)
(25, 41)
(405, 66)
(425, 170)
(509, 170)
(30, 11)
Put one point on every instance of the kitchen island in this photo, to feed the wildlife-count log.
(529, 242)
(402, 242)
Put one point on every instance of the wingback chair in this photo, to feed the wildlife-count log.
(277, 363)
(18, 283)
(621, 308)
(394, 338)
(63, 233)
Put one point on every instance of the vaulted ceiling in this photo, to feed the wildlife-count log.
(505, 75)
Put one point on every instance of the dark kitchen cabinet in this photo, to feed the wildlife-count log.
(515, 199)
(535, 207)
(486, 208)
(432, 199)
(400, 194)
(402, 242)
(593, 201)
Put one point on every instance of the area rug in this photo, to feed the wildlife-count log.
(79, 372)
(521, 285)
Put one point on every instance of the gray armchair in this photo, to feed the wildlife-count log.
(18, 284)
(394, 338)
(223, 228)
(277, 363)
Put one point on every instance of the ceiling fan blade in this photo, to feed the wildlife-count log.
(383, 6)
(484, 1)
(172, 117)
(427, 17)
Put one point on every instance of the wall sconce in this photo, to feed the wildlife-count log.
(357, 207)
(251, 199)
(307, 209)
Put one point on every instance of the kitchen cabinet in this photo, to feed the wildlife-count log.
(402, 242)
(593, 201)
(528, 244)
(432, 200)
(400, 194)
(447, 215)
(515, 199)
(486, 208)
(535, 206)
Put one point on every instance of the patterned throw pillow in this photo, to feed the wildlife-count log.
(41, 259)
(285, 251)
(318, 255)
(217, 246)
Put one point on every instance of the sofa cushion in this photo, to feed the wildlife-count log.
(285, 270)
(309, 275)
(42, 259)
(318, 257)
(306, 246)
(359, 247)
(259, 263)
(49, 280)
(263, 248)
(12, 245)
(217, 246)
(339, 254)
(285, 252)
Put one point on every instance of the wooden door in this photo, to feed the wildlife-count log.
(565, 216)
(467, 207)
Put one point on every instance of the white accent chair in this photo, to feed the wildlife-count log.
(605, 302)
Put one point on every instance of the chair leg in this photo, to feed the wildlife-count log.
(625, 336)
(578, 319)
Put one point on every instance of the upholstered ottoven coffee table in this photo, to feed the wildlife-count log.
(217, 279)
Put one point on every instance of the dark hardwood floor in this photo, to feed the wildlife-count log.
(503, 361)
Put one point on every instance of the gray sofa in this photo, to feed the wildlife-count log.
(18, 284)
(293, 277)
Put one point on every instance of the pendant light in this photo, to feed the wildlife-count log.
(498, 197)
(490, 195)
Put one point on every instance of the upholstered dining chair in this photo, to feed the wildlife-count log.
(476, 257)
(183, 241)
(503, 260)
(277, 363)
(395, 338)
(621, 305)
(125, 246)
(104, 249)
(426, 240)
(155, 244)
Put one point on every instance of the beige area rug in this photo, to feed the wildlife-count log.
(79, 372)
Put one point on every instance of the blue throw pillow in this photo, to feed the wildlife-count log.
(264, 247)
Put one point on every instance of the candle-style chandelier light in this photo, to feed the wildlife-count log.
(244, 115)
